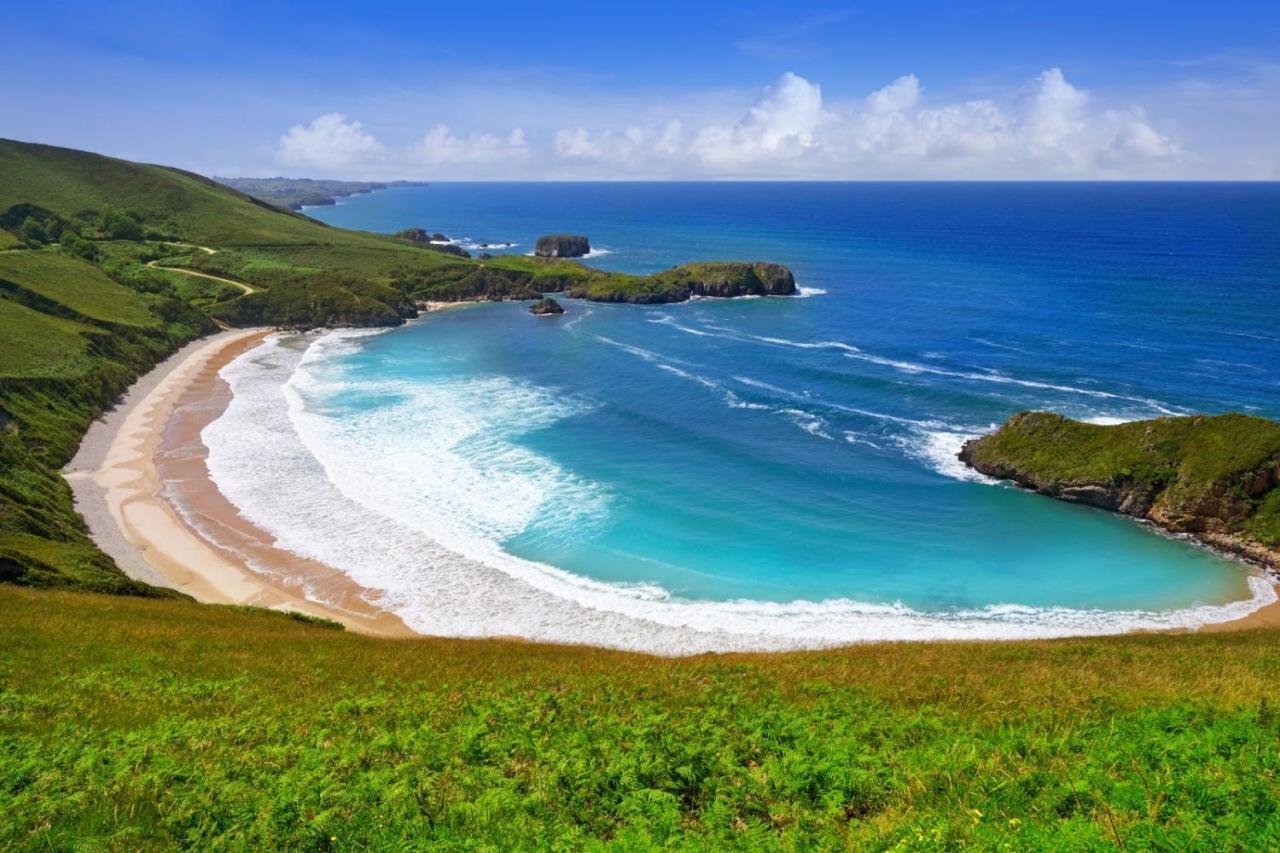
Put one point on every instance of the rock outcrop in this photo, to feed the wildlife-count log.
(546, 307)
(437, 241)
(733, 278)
(1215, 478)
(562, 246)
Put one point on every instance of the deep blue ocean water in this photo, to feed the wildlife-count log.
(785, 449)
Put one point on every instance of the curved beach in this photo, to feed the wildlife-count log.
(142, 483)
(136, 457)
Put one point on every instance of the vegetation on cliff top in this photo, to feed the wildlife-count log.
(1215, 474)
(131, 724)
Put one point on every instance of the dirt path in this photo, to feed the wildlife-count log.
(247, 288)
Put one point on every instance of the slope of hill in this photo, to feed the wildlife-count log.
(133, 724)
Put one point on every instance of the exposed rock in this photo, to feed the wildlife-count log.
(562, 246)
(437, 242)
(1215, 478)
(414, 235)
(732, 278)
(546, 307)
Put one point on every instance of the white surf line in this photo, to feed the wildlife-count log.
(855, 352)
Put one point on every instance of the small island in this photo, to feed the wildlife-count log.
(562, 246)
(1215, 478)
(546, 307)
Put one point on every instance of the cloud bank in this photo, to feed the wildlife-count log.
(1047, 128)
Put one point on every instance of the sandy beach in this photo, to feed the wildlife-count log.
(141, 485)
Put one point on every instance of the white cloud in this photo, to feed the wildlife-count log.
(328, 142)
(1050, 130)
(1047, 128)
(441, 146)
(902, 94)
(780, 126)
(633, 146)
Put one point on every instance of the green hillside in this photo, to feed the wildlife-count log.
(133, 724)
(75, 284)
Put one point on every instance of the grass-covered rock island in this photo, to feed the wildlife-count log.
(1216, 478)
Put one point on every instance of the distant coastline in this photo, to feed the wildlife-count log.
(297, 193)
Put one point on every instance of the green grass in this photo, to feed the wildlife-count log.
(39, 345)
(1196, 451)
(133, 724)
(69, 281)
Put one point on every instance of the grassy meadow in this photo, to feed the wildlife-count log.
(135, 724)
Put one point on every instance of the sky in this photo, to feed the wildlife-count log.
(657, 91)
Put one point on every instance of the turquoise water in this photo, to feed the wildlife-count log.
(802, 449)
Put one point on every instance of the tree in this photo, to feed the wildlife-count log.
(32, 232)
(119, 225)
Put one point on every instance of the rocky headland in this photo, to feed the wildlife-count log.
(516, 277)
(436, 241)
(1214, 478)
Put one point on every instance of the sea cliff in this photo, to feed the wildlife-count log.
(1215, 478)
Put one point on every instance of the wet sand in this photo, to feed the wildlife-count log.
(141, 483)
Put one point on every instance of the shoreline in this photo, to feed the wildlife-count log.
(141, 483)
(122, 477)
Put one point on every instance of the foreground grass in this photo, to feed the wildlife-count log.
(128, 723)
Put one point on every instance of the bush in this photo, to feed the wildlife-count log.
(119, 225)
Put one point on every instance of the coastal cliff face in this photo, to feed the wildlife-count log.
(562, 246)
(521, 278)
(729, 278)
(1216, 478)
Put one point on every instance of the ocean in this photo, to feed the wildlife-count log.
(772, 472)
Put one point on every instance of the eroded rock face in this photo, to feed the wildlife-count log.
(562, 246)
(734, 278)
(1212, 478)
(546, 307)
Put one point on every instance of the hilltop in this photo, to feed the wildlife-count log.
(135, 724)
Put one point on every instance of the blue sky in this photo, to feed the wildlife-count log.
(658, 90)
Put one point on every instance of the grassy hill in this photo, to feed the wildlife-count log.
(134, 724)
